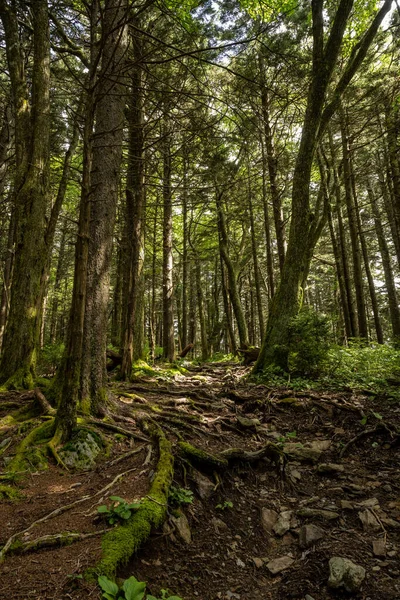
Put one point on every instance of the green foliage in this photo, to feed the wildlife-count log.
(119, 510)
(360, 366)
(131, 589)
(308, 343)
(178, 496)
(50, 358)
(225, 505)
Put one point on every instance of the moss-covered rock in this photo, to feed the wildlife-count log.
(30, 456)
(82, 450)
(9, 493)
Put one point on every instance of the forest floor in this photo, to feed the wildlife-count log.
(333, 491)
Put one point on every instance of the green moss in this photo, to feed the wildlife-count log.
(201, 457)
(28, 455)
(21, 380)
(119, 545)
(9, 493)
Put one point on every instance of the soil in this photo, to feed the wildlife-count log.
(231, 548)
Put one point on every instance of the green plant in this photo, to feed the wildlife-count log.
(119, 510)
(308, 343)
(179, 495)
(131, 589)
(225, 505)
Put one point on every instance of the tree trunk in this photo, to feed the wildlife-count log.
(168, 311)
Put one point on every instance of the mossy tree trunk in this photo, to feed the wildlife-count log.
(32, 122)
(287, 299)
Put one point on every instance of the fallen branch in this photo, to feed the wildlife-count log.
(50, 541)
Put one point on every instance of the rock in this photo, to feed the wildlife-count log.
(182, 527)
(387, 487)
(344, 573)
(282, 525)
(370, 503)
(268, 519)
(309, 534)
(379, 548)
(258, 562)
(321, 445)
(308, 597)
(347, 505)
(392, 553)
(390, 523)
(205, 487)
(4, 443)
(240, 563)
(82, 450)
(330, 469)
(279, 564)
(297, 452)
(326, 515)
(369, 521)
(219, 524)
(246, 423)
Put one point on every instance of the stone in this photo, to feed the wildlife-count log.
(205, 487)
(329, 469)
(370, 503)
(82, 450)
(308, 597)
(390, 522)
(347, 505)
(302, 454)
(246, 423)
(240, 563)
(277, 565)
(309, 535)
(326, 515)
(268, 519)
(258, 562)
(379, 548)
(344, 573)
(182, 527)
(219, 524)
(369, 521)
(282, 525)
(321, 445)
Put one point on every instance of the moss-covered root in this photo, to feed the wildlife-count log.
(9, 493)
(120, 544)
(27, 455)
(201, 458)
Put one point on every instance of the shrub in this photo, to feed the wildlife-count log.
(309, 334)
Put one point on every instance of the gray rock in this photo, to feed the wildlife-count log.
(369, 521)
(258, 562)
(326, 515)
(344, 573)
(302, 454)
(268, 519)
(282, 525)
(309, 534)
(329, 469)
(321, 445)
(4, 442)
(308, 597)
(182, 527)
(219, 524)
(205, 487)
(379, 548)
(246, 423)
(82, 450)
(279, 564)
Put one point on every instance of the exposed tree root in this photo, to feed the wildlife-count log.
(116, 429)
(50, 541)
(119, 544)
(391, 429)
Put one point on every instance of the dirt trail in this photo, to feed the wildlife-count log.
(330, 489)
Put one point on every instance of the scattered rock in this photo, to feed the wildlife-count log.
(370, 503)
(297, 452)
(390, 523)
(347, 505)
(182, 527)
(82, 450)
(258, 562)
(246, 423)
(268, 519)
(379, 548)
(240, 563)
(321, 445)
(282, 525)
(309, 534)
(326, 515)
(219, 524)
(308, 597)
(279, 564)
(205, 487)
(344, 573)
(329, 469)
(369, 521)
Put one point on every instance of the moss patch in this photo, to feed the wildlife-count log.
(9, 494)
(202, 458)
(119, 545)
(29, 457)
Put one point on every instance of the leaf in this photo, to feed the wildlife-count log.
(364, 420)
(134, 589)
(377, 416)
(108, 586)
(150, 597)
(117, 499)
(102, 509)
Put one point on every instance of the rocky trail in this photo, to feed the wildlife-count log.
(276, 494)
